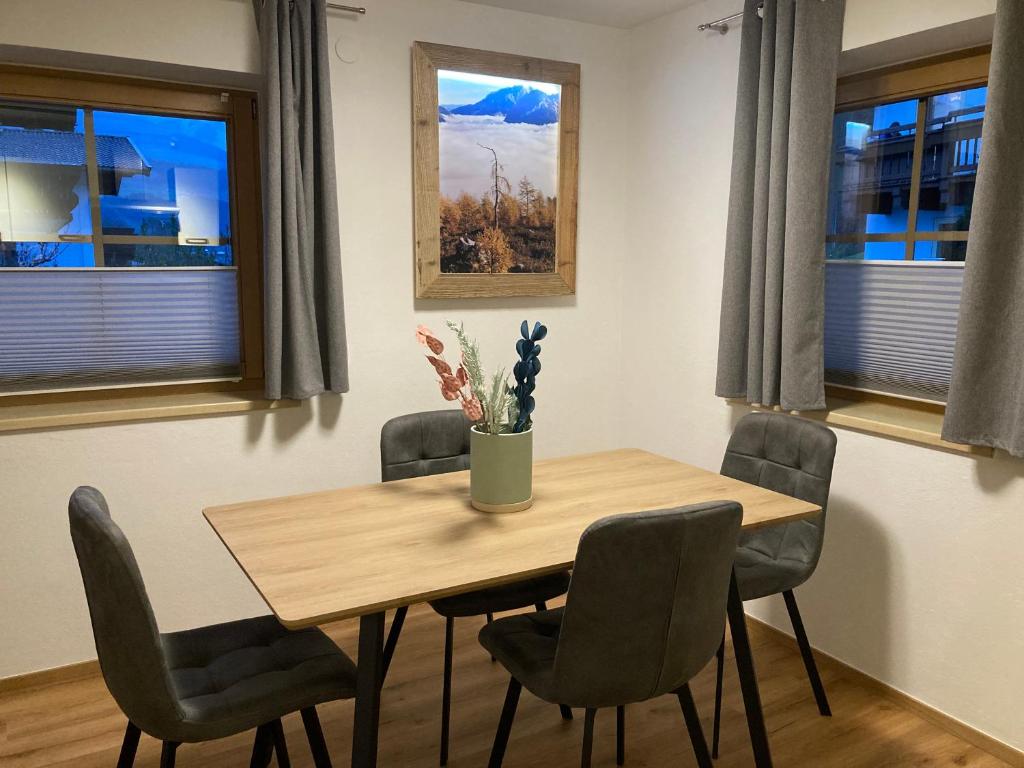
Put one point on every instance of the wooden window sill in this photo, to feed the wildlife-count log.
(135, 408)
(888, 420)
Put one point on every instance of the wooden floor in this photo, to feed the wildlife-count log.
(76, 724)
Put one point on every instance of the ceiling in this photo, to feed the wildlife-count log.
(610, 13)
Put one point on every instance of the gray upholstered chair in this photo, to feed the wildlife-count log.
(792, 456)
(433, 443)
(200, 684)
(645, 612)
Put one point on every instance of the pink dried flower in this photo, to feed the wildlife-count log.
(422, 333)
(450, 384)
(462, 376)
(447, 392)
(472, 408)
(442, 368)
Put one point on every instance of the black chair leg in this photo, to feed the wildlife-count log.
(720, 656)
(280, 745)
(129, 746)
(315, 736)
(541, 606)
(490, 618)
(566, 711)
(168, 753)
(700, 746)
(807, 653)
(262, 748)
(446, 696)
(620, 735)
(393, 634)
(588, 737)
(508, 714)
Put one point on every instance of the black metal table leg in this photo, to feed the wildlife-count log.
(748, 678)
(369, 677)
(393, 635)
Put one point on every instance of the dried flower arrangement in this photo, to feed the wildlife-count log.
(492, 405)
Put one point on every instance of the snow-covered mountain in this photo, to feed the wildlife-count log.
(518, 104)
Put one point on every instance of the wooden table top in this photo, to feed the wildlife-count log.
(338, 554)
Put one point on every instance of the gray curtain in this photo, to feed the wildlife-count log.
(986, 397)
(771, 342)
(304, 320)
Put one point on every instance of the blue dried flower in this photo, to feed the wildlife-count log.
(525, 373)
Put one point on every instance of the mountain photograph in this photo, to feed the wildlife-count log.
(498, 156)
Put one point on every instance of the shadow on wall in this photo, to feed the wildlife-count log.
(289, 422)
(996, 473)
(847, 605)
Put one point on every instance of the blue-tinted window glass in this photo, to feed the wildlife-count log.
(44, 192)
(164, 176)
(940, 250)
(872, 165)
(885, 251)
(949, 167)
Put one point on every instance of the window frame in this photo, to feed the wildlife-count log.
(915, 80)
(239, 110)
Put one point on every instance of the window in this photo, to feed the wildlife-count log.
(900, 196)
(129, 253)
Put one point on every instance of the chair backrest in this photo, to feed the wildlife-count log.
(646, 605)
(419, 444)
(792, 456)
(124, 628)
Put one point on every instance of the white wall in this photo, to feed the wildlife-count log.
(919, 585)
(873, 21)
(159, 475)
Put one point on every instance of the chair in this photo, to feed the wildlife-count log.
(200, 684)
(645, 612)
(433, 443)
(792, 456)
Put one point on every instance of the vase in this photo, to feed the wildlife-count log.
(501, 470)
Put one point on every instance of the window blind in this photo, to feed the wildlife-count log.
(71, 328)
(891, 326)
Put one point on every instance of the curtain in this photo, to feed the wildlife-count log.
(986, 396)
(771, 342)
(304, 321)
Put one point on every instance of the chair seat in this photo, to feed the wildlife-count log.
(236, 676)
(760, 575)
(526, 644)
(508, 597)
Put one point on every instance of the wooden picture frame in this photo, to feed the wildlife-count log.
(431, 282)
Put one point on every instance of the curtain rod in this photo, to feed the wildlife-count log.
(338, 7)
(722, 25)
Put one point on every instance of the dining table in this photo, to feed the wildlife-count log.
(358, 552)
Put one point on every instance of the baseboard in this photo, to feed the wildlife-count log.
(65, 674)
(961, 730)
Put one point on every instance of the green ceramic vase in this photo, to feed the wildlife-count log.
(501, 471)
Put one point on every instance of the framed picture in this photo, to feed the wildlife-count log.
(496, 146)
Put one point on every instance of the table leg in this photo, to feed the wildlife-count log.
(748, 678)
(369, 677)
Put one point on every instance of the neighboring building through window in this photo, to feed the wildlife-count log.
(901, 191)
(120, 261)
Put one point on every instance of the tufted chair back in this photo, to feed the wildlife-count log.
(646, 605)
(793, 456)
(419, 444)
(127, 639)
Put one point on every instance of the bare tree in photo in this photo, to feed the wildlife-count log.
(501, 184)
(34, 254)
